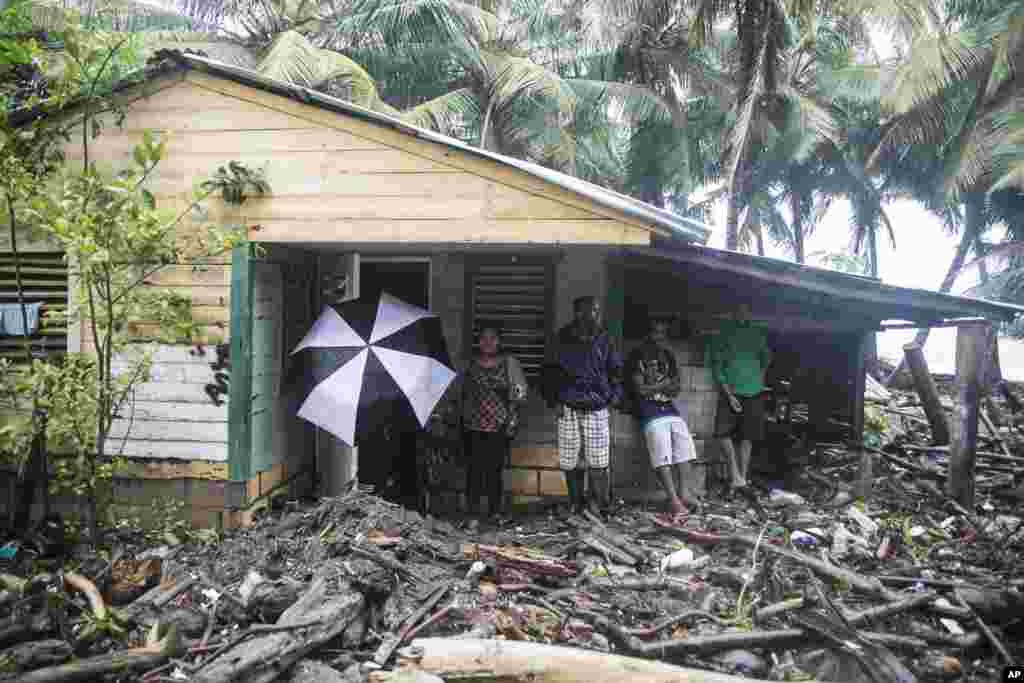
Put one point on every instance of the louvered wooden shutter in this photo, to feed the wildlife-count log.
(516, 294)
(44, 279)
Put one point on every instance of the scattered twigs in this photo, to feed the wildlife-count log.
(769, 611)
(387, 561)
(608, 550)
(391, 643)
(438, 616)
(210, 583)
(674, 621)
(984, 627)
(774, 639)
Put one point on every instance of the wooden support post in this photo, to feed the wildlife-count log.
(859, 377)
(971, 345)
(993, 376)
(925, 385)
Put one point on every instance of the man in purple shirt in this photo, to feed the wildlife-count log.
(581, 383)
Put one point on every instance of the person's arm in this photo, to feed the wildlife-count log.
(615, 371)
(517, 379)
(715, 356)
(669, 385)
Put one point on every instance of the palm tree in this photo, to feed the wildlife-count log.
(952, 92)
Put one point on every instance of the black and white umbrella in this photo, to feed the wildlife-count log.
(369, 364)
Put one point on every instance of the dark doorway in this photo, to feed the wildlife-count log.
(387, 460)
(408, 280)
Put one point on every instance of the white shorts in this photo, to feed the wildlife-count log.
(669, 441)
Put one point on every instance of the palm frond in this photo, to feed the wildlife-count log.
(448, 114)
(936, 62)
(418, 21)
(293, 59)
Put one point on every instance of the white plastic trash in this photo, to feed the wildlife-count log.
(780, 498)
(683, 559)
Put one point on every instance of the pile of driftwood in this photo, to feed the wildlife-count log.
(779, 587)
(808, 583)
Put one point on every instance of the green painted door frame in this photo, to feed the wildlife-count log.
(240, 382)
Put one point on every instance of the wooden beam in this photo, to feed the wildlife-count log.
(859, 378)
(971, 344)
(240, 387)
(928, 393)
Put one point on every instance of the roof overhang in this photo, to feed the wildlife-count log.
(868, 296)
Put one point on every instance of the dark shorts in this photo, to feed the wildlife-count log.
(748, 425)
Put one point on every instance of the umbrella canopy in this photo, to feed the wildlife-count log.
(369, 364)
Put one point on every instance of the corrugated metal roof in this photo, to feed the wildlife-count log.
(888, 301)
(678, 226)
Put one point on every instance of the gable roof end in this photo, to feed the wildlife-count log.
(680, 227)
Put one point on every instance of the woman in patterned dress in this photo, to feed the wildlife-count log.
(493, 385)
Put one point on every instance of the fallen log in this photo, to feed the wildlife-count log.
(37, 655)
(155, 653)
(305, 626)
(522, 662)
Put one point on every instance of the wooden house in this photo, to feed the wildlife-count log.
(360, 203)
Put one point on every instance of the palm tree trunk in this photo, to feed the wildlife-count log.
(798, 227)
(972, 228)
(873, 251)
(732, 222)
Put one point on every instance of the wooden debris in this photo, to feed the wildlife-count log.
(306, 625)
(532, 563)
(153, 654)
(522, 662)
(29, 656)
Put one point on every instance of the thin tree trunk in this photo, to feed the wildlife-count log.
(971, 230)
(759, 236)
(798, 227)
(873, 252)
(29, 474)
(732, 222)
(12, 218)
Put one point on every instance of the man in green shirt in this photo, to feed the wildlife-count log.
(740, 358)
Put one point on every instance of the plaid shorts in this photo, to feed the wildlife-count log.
(587, 430)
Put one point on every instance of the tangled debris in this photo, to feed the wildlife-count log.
(804, 584)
